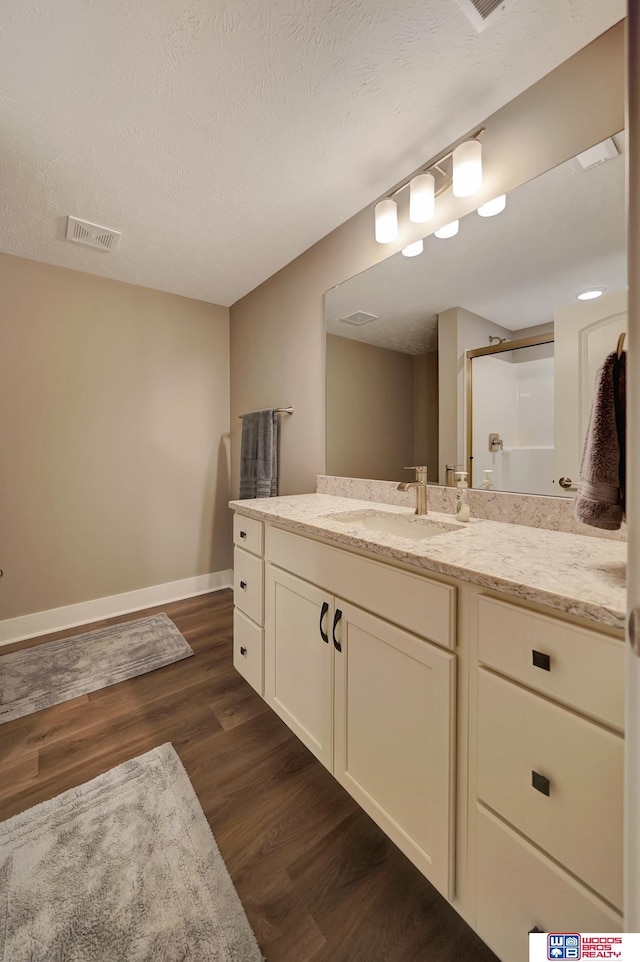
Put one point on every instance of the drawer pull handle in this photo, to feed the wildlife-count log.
(540, 783)
(540, 660)
(243, 534)
(243, 651)
(323, 634)
(243, 585)
(336, 619)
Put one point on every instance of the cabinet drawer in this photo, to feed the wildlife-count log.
(248, 591)
(519, 889)
(248, 534)
(581, 668)
(248, 650)
(422, 605)
(579, 822)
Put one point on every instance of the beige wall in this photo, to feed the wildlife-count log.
(425, 412)
(277, 331)
(369, 410)
(115, 420)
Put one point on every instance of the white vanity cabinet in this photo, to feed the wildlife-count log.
(549, 777)
(483, 734)
(299, 660)
(248, 597)
(373, 701)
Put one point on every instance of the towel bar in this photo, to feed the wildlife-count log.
(289, 410)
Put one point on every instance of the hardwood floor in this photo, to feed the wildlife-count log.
(318, 880)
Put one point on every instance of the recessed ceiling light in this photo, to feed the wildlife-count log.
(449, 230)
(591, 294)
(412, 250)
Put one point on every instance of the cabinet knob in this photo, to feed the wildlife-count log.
(243, 585)
(540, 783)
(243, 651)
(243, 534)
(540, 660)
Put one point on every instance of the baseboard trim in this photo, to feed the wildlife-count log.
(57, 619)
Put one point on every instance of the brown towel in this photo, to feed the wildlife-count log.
(600, 501)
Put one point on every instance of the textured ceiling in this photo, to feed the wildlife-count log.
(224, 137)
(559, 234)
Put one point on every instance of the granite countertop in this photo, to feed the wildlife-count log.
(582, 576)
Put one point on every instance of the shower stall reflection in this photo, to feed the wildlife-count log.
(511, 417)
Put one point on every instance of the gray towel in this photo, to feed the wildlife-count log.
(600, 500)
(259, 454)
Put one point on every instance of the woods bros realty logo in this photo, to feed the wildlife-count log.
(570, 945)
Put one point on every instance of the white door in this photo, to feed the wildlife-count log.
(299, 659)
(394, 736)
(585, 332)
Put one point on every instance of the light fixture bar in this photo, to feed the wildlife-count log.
(423, 189)
(436, 165)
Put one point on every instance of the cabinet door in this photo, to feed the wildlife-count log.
(298, 661)
(394, 736)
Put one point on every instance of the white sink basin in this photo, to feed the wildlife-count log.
(415, 528)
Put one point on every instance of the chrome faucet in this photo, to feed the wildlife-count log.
(420, 484)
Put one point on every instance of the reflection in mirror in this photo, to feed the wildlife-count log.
(510, 396)
(398, 334)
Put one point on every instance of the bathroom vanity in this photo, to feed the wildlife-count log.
(464, 683)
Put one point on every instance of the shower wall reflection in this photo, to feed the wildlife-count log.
(512, 396)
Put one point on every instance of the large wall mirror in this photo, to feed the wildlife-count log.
(408, 378)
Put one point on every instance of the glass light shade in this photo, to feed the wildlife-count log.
(591, 294)
(412, 250)
(467, 168)
(449, 230)
(422, 198)
(493, 207)
(386, 217)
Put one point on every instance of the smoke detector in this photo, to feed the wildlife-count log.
(92, 235)
(359, 318)
(482, 13)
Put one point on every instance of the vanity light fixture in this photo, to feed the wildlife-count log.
(591, 294)
(467, 168)
(386, 214)
(449, 230)
(422, 198)
(493, 207)
(412, 250)
(460, 168)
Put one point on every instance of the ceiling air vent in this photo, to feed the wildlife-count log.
(482, 13)
(360, 317)
(93, 235)
(598, 154)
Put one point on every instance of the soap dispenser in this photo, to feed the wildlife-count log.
(487, 482)
(463, 511)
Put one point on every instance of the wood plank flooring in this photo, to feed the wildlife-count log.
(318, 880)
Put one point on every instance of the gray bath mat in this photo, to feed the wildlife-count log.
(122, 868)
(57, 671)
